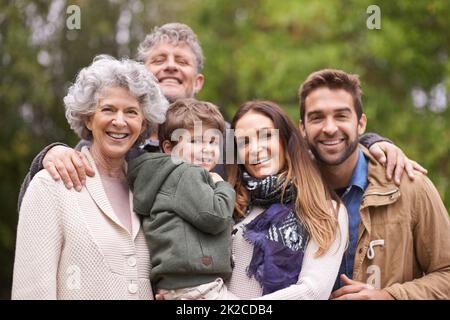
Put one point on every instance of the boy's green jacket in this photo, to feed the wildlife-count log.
(187, 220)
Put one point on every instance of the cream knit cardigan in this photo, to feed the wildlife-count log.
(71, 245)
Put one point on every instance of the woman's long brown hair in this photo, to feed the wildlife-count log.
(313, 204)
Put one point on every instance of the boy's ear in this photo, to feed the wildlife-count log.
(167, 147)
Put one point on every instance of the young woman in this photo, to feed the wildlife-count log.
(291, 230)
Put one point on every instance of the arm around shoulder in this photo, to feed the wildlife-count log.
(370, 138)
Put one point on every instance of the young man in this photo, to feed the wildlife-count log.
(399, 237)
(173, 54)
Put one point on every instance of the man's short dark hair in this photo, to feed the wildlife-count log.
(332, 79)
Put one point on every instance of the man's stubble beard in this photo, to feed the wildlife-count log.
(346, 154)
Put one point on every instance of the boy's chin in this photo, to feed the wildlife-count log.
(207, 166)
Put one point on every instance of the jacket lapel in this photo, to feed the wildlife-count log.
(95, 188)
(135, 221)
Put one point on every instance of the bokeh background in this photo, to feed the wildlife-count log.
(253, 49)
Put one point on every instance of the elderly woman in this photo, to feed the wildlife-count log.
(89, 244)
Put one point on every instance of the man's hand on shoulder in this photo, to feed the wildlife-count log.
(68, 165)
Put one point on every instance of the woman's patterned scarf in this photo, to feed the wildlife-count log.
(279, 239)
(267, 191)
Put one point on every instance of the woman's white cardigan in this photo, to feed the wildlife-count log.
(71, 245)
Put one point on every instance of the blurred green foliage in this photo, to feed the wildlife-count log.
(253, 48)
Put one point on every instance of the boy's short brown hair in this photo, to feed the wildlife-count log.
(183, 113)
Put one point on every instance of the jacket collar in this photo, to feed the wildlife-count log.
(359, 177)
(95, 188)
(380, 191)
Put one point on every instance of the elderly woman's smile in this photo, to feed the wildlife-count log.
(117, 136)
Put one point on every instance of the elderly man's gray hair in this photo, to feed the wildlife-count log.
(173, 33)
(106, 72)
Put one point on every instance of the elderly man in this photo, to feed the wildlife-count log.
(173, 54)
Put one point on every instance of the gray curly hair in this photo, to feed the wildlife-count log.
(173, 33)
(105, 71)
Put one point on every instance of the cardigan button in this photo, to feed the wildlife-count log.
(131, 261)
(132, 287)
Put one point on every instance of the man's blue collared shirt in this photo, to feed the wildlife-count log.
(352, 197)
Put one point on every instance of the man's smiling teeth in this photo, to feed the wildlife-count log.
(331, 142)
(170, 80)
(117, 135)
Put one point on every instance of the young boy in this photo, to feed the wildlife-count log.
(187, 210)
